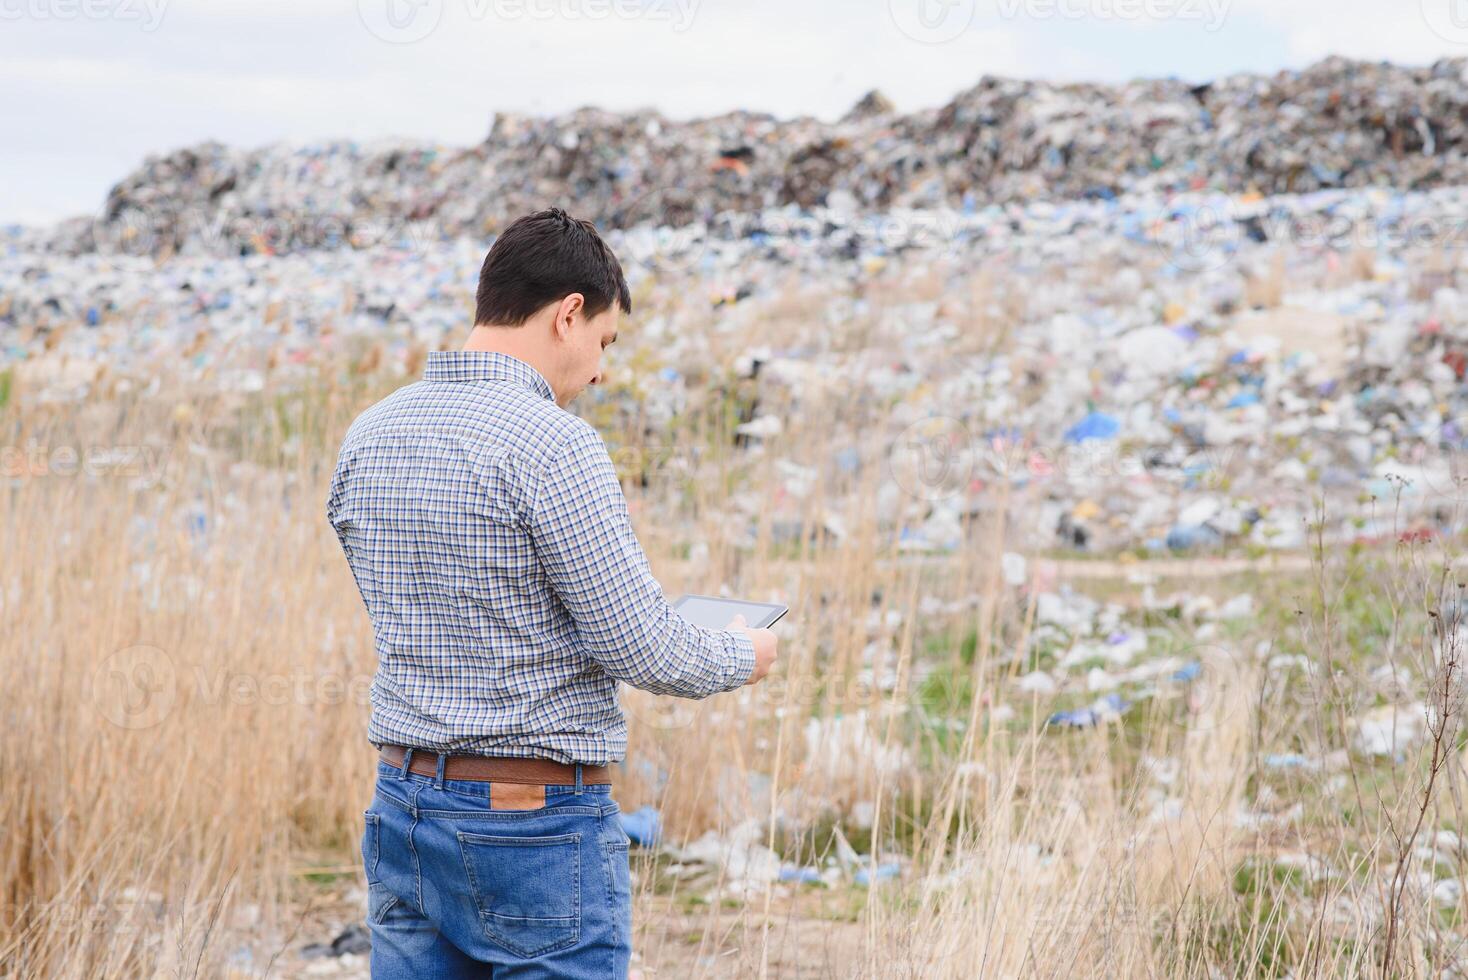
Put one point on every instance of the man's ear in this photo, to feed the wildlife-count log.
(566, 313)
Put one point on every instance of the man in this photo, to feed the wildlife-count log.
(489, 537)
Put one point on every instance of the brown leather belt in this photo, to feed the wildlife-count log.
(497, 769)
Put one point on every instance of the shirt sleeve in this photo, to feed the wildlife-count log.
(583, 537)
(334, 502)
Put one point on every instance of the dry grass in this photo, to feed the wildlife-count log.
(187, 665)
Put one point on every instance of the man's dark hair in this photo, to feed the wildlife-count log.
(544, 257)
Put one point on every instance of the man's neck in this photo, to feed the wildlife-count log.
(501, 340)
(513, 341)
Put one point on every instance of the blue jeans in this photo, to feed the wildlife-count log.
(455, 889)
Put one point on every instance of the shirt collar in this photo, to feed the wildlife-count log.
(485, 365)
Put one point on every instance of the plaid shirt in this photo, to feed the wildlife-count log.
(489, 537)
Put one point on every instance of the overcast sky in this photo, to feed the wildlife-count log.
(93, 86)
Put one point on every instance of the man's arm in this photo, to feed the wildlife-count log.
(582, 533)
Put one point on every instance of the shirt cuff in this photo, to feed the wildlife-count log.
(739, 649)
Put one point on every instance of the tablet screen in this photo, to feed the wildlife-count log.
(715, 613)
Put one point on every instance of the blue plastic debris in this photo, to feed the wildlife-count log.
(888, 869)
(1096, 425)
(807, 875)
(643, 826)
(198, 522)
(1088, 717)
(1188, 672)
(1243, 399)
(1186, 537)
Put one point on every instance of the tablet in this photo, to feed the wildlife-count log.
(716, 613)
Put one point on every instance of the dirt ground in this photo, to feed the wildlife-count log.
(818, 936)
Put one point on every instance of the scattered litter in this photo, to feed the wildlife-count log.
(354, 939)
(807, 875)
(741, 853)
(1448, 892)
(1391, 729)
(888, 869)
(643, 826)
(1106, 709)
(1037, 682)
(1190, 672)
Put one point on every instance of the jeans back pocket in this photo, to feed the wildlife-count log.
(527, 889)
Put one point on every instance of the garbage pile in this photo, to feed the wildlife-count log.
(1179, 374)
(1337, 124)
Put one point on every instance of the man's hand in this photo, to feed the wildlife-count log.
(765, 653)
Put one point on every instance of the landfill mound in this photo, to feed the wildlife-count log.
(1337, 124)
(1131, 378)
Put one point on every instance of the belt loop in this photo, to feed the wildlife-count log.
(407, 761)
(578, 779)
(438, 779)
